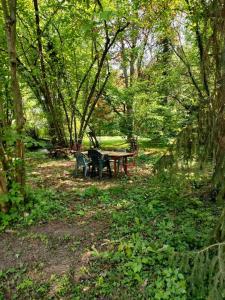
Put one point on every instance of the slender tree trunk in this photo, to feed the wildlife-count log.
(89, 107)
(55, 126)
(68, 122)
(124, 64)
(92, 91)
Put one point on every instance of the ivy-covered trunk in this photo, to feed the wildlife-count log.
(219, 102)
(9, 10)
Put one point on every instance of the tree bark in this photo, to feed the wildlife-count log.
(9, 10)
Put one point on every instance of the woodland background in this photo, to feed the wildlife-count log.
(152, 69)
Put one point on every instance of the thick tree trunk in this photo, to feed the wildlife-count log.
(9, 10)
(3, 184)
(3, 193)
(219, 107)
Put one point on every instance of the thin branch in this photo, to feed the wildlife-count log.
(95, 101)
(186, 63)
(210, 246)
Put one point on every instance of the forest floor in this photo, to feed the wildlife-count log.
(102, 239)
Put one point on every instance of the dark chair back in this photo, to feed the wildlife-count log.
(95, 156)
(99, 161)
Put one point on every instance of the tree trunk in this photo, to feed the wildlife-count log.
(219, 106)
(55, 126)
(9, 10)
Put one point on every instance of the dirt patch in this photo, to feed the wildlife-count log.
(15, 252)
(84, 228)
(53, 248)
(56, 246)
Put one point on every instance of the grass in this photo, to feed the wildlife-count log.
(118, 142)
(124, 238)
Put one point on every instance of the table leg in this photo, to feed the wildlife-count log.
(125, 165)
(115, 167)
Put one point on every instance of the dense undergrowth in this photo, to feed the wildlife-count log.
(154, 226)
(157, 227)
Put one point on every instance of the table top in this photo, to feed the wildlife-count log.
(114, 154)
(117, 153)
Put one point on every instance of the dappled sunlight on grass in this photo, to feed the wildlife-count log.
(58, 174)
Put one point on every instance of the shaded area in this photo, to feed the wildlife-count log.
(107, 239)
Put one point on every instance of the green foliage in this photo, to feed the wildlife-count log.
(23, 286)
(90, 192)
(40, 205)
(206, 269)
(153, 247)
(153, 228)
(15, 200)
(170, 284)
(165, 68)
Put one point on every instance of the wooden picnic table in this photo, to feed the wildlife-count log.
(116, 156)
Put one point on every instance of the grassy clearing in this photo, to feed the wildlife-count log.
(123, 238)
(109, 142)
(119, 142)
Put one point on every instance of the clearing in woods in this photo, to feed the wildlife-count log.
(87, 238)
